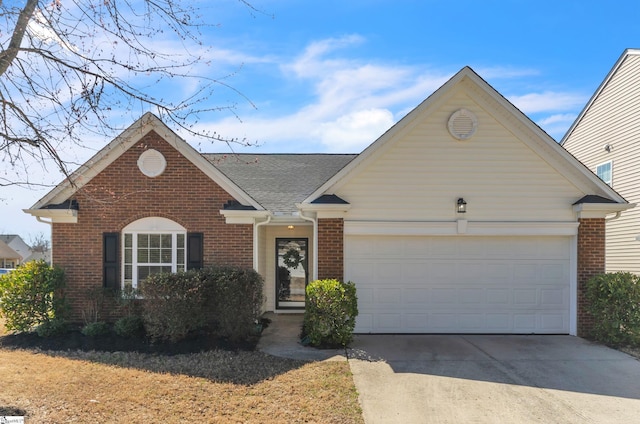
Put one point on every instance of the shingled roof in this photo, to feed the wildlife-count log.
(279, 181)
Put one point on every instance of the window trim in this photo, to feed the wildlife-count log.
(151, 226)
(610, 163)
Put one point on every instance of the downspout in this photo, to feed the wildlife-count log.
(255, 241)
(314, 275)
(50, 224)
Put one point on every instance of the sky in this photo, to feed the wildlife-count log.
(332, 76)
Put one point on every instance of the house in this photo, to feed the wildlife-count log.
(464, 217)
(18, 245)
(24, 251)
(605, 138)
(9, 258)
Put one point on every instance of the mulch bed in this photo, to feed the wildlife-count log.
(75, 340)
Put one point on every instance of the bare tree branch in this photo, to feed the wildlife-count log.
(72, 68)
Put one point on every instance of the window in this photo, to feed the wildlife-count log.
(151, 246)
(604, 171)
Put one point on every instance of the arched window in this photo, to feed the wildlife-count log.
(150, 246)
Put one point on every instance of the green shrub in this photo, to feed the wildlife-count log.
(32, 296)
(173, 305)
(614, 303)
(233, 300)
(52, 328)
(94, 329)
(330, 315)
(129, 326)
(223, 300)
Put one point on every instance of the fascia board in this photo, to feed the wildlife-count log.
(242, 216)
(314, 207)
(65, 216)
(600, 210)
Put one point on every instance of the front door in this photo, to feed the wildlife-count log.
(291, 272)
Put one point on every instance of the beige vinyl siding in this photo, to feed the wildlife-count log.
(614, 118)
(423, 172)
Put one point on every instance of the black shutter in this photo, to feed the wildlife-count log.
(194, 250)
(111, 260)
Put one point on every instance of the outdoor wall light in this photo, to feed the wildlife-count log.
(461, 206)
(291, 227)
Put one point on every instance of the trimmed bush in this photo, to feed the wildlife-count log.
(95, 329)
(330, 314)
(233, 300)
(31, 297)
(225, 301)
(173, 305)
(614, 303)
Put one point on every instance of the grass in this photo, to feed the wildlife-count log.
(210, 387)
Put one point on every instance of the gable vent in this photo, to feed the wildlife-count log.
(151, 163)
(462, 124)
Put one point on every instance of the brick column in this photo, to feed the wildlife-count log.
(591, 261)
(331, 248)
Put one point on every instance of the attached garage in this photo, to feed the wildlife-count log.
(464, 217)
(461, 284)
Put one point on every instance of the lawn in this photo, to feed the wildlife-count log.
(210, 387)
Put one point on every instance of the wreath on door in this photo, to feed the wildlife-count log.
(292, 258)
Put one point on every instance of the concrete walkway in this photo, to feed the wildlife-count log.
(282, 338)
(478, 378)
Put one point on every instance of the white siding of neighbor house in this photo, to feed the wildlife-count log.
(421, 173)
(613, 118)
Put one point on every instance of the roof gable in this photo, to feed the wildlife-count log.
(7, 252)
(106, 156)
(519, 124)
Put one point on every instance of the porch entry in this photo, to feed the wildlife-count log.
(291, 272)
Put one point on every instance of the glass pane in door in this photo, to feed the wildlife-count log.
(291, 272)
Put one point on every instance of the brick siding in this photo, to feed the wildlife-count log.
(331, 248)
(591, 261)
(121, 194)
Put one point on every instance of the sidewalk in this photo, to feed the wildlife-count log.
(282, 338)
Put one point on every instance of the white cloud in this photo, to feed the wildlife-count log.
(348, 102)
(558, 124)
(562, 118)
(548, 101)
(354, 131)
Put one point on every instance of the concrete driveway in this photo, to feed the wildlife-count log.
(493, 379)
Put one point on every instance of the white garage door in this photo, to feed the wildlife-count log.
(460, 284)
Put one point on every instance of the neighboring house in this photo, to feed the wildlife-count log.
(39, 256)
(9, 258)
(464, 217)
(25, 252)
(606, 138)
(16, 243)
